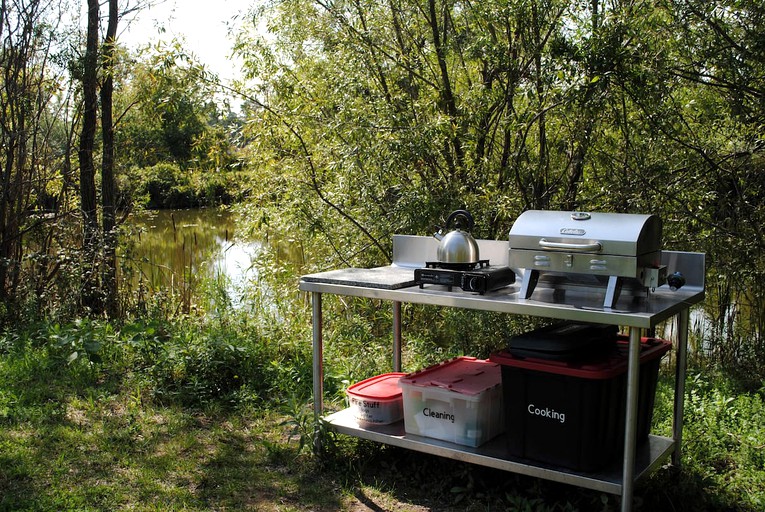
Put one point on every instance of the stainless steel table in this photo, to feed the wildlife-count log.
(394, 283)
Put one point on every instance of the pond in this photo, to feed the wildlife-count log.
(180, 250)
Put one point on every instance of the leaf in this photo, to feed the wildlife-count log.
(92, 347)
(72, 357)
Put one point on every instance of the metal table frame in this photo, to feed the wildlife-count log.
(577, 305)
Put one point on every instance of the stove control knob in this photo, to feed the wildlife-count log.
(474, 284)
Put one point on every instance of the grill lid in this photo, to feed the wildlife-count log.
(621, 234)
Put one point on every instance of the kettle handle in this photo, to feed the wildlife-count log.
(460, 213)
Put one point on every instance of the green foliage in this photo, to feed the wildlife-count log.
(373, 119)
(723, 437)
(37, 120)
(168, 186)
(301, 421)
(170, 115)
(219, 364)
(73, 344)
(68, 446)
(165, 186)
(177, 147)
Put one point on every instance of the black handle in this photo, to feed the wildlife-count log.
(461, 213)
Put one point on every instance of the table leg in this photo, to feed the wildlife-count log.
(396, 336)
(318, 367)
(680, 369)
(630, 430)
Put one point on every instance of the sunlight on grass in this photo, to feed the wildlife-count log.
(125, 434)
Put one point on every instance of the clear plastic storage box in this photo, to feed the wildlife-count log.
(459, 401)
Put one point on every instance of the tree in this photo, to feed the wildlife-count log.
(108, 186)
(375, 118)
(34, 147)
(391, 115)
(91, 241)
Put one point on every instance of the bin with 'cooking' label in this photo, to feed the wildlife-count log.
(571, 413)
(459, 401)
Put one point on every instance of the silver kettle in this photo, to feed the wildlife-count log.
(457, 247)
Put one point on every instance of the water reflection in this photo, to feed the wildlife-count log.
(178, 250)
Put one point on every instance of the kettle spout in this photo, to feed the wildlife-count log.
(439, 235)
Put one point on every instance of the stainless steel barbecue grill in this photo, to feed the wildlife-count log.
(611, 249)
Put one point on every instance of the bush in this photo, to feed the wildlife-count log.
(164, 186)
(167, 186)
(198, 363)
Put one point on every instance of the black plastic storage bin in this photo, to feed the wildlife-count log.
(572, 413)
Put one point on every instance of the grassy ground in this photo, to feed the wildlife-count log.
(81, 436)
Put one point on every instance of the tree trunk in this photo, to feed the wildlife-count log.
(447, 102)
(109, 273)
(582, 136)
(540, 185)
(17, 105)
(90, 242)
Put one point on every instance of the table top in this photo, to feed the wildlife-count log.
(641, 308)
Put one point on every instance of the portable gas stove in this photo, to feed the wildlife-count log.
(477, 277)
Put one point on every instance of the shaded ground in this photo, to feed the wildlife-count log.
(75, 445)
(106, 454)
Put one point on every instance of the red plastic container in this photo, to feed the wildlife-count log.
(572, 413)
(377, 400)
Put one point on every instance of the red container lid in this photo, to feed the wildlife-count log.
(380, 387)
(464, 375)
(605, 366)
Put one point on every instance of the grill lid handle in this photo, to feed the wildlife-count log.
(565, 246)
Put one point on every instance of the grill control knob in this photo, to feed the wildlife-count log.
(676, 281)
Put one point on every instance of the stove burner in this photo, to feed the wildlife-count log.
(483, 279)
(457, 266)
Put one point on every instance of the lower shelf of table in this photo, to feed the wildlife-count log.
(649, 455)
